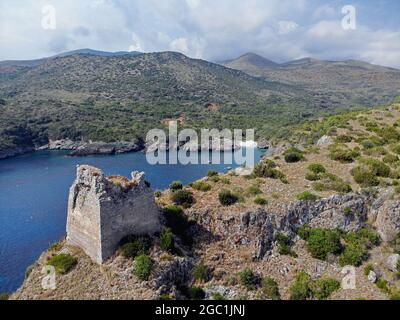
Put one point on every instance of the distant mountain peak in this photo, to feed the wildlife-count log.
(250, 60)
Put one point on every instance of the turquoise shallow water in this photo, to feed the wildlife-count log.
(34, 193)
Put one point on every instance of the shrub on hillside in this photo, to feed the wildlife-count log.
(183, 198)
(260, 201)
(301, 288)
(254, 190)
(63, 263)
(270, 288)
(311, 176)
(267, 169)
(176, 185)
(389, 134)
(342, 154)
(202, 273)
(353, 255)
(323, 288)
(357, 246)
(330, 182)
(248, 279)
(196, 293)
(343, 139)
(377, 167)
(293, 155)
(285, 245)
(364, 176)
(227, 198)
(307, 196)
(212, 173)
(176, 220)
(133, 246)
(201, 186)
(322, 242)
(390, 158)
(317, 168)
(167, 240)
(143, 267)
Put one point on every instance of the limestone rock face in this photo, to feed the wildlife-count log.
(258, 229)
(102, 210)
(387, 215)
(392, 261)
(325, 141)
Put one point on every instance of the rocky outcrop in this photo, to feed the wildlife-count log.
(258, 229)
(386, 217)
(325, 141)
(63, 144)
(102, 148)
(102, 210)
(392, 262)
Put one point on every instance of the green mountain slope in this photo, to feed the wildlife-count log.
(111, 98)
(337, 82)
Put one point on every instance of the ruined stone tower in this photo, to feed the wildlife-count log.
(102, 210)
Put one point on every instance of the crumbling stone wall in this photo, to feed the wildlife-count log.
(102, 210)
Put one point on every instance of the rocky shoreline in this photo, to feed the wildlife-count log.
(83, 148)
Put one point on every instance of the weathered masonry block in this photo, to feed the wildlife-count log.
(102, 210)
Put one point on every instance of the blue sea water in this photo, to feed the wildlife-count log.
(34, 193)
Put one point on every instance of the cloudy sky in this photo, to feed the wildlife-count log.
(280, 30)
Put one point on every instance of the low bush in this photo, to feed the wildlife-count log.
(217, 296)
(323, 288)
(212, 173)
(285, 245)
(344, 139)
(227, 198)
(293, 155)
(167, 240)
(270, 288)
(364, 176)
(321, 242)
(377, 167)
(196, 293)
(301, 288)
(143, 267)
(389, 134)
(357, 246)
(202, 273)
(176, 185)
(201, 186)
(307, 196)
(248, 279)
(254, 190)
(267, 169)
(311, 176)
(342, 154)
(63, 263)
(176, 220)
(260, 201)
(330, 182)
(317, 168)
(183, 198)
(133, 246)
(383, 285)
(390, 158)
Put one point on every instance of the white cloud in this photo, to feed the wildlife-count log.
(325, 11)
(286, 27)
